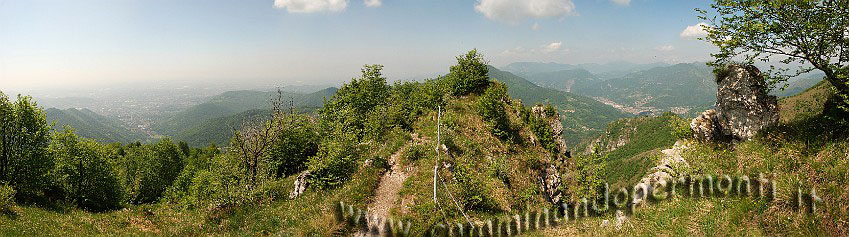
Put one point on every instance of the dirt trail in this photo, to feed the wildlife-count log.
(390, 185)
(387, 191)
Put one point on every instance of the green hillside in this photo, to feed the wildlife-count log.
(218, 130)
(89, 124)
(798, 85)
(581, 116)
(202, 124)
(631, 144)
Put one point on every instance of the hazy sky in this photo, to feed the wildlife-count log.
(62, 43)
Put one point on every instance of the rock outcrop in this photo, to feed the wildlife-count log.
(705, 128)
(301, 184)
(551, 182)
(672, 165)
(743, 106)
(550, 178)
(743, 103)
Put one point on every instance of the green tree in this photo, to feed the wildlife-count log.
(469, 75)
(352, 103)
(24, 138)
(810, 33)
(84, 173)
(146, 171)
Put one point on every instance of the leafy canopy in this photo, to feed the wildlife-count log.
(805, 34)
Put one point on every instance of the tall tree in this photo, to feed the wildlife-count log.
(24, 137)
(804, 34)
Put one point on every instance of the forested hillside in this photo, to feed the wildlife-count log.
(581, 116)
(210, 122)
(89, 124)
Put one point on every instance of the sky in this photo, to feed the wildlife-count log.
(92, 43)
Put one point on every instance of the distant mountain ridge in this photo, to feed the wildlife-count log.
(606, 70)
(563, 80)
(678, 86)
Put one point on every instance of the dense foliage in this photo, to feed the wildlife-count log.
(804, 35)
(24, 137)
(147, 170)
(83, 172)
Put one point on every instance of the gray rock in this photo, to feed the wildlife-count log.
(743, 103)
(671, 166)
(301, 184)
(551, 182)
(705, 128)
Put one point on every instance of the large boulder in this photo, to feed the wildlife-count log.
(301, 184)
(743, 103)
(743, 107)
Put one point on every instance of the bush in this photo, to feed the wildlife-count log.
(680, 127)
(491, 107)
(83, 172)
(542, 130)
(7, 197)
(295, 141)
(353, 101)
(335, 161)
(590, 169)
(473, 190)
(415, 152)
(469, 75)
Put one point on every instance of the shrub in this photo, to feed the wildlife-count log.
(84, 173)
(295, 141)
(473, 191)
(7, 197)
(469, 75)
(680, 127)
(491, 107)
(590, 169)
(353, 101)
(415, 152)
(334, 162)
(542, 130)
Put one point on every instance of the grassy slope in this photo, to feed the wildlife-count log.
(806, 148)
(632, 146)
